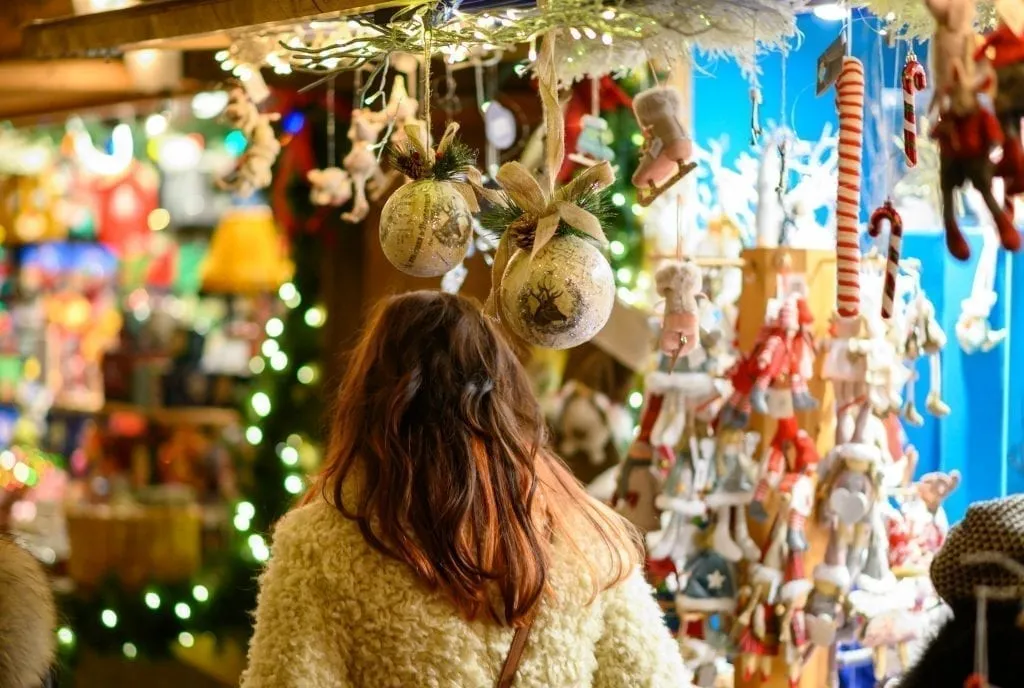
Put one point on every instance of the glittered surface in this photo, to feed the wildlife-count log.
(560, 299)
(425, 228)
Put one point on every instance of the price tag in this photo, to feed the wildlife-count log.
(1011, 12)
(830, 64)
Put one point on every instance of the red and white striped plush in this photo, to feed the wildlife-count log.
(850, 91)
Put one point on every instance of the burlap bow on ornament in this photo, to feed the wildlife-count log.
(544, 206)
(467, 188)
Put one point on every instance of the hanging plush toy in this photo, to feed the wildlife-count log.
(793, 627)
(639, 483)
(254, 168)
(1003, 50)
(825, 607)
(331, 186)
(667, 145)
(924, 337)
(850, 488)
(966, 132)
(679, 283)
(732, 492)
(788, 438)
(758, 623)
(427, 225)
(592, 143)
(918, 530)
(361, 161)
(776, 371)
(401, 115)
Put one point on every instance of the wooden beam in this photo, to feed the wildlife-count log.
(26, 109)
(69, 76)
(156, 23)
(14, 14)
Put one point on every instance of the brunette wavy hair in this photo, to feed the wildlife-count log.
(439, 453)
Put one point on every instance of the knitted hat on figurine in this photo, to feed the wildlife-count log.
(992, 526)
(710, 585)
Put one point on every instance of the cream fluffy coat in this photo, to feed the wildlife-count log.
(335, 613)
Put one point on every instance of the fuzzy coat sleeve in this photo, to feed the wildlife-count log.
(294, 645)
(636, 649)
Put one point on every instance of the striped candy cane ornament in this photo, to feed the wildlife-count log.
(914, 79)
(850, 90)
(892, 264)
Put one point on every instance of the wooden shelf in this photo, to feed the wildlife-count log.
(178, 415)
(171, 24)
(165, 415)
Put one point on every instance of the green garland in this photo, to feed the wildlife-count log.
(450, 164)
(507, 216)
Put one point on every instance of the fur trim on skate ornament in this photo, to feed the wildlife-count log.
(427, 225)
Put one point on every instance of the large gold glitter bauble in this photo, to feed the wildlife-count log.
(561, 298)
(426, 228)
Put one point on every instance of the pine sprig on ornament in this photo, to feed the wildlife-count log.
(451, 163)
(507, 216)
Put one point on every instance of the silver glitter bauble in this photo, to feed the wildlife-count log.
(561, 298)
(425, 228)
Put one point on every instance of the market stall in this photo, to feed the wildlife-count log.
(739, 301)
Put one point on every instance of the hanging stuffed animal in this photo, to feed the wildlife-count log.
(667, 145)
(254, 168)
(850, 488)
(639, 482)
(758, 623)
(966, 132)
(780, 364)
(1003, 50)
(331, 186)
(361, 162)
(973, 330)
(679, 283)
(788, 438)
(924, 337)
(793, 627)
(826, 603)
(918, 530)
(733, 491)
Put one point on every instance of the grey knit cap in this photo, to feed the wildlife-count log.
(992, 526)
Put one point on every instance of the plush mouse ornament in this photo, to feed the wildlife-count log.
(679, 283)
(330, 186)
(918, 530)
(361, 162)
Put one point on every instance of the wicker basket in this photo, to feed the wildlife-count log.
(137, 544)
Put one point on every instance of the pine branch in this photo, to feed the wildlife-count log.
(452, 165)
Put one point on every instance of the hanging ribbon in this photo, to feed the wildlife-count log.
(539, 199)
(473, 184)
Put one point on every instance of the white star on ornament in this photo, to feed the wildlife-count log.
(715, 580)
